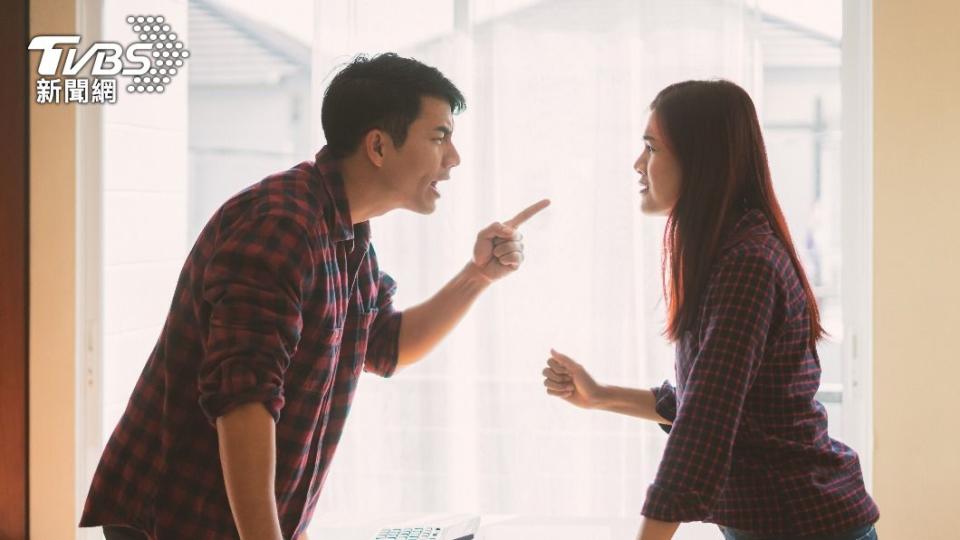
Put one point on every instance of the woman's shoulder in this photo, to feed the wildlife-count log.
(751, 240)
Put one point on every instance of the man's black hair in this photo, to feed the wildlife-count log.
(380, 92)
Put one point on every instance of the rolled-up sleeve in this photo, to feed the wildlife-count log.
(383, 348)
(737, 314)
(254, 284)
(665, 403)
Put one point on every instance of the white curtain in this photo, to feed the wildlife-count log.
(558, 94)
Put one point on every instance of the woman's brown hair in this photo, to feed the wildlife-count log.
(712, 128)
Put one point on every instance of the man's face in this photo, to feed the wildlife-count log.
(414, 171)
(659, 170)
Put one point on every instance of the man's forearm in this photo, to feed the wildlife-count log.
(639, 402)
(652, 529)
(424, 325)
(247, 437)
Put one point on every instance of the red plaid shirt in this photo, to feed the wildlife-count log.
(280, 302)
(748, 447)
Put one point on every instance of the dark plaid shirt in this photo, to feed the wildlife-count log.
(748, 447)
(280, 302)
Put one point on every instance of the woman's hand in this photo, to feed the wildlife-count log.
(567, 379)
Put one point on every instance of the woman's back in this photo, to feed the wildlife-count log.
(785, 474)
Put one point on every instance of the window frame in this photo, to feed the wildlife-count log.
(856, 83)
(857, 247)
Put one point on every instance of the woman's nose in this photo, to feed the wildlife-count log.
(640, 166)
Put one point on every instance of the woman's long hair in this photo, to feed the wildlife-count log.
(712, 128)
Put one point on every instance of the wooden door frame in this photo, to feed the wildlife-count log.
(14, 270)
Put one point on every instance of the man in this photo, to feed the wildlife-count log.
(234, 421)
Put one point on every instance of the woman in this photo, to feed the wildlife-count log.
(748, 446)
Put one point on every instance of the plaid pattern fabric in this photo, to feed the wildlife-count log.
(748, 447)
(281, 301)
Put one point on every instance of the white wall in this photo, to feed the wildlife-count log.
(240, 134)
(144, 211)
(916, 257)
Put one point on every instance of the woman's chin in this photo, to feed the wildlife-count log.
(649, 207)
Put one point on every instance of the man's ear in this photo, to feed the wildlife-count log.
(374, 144)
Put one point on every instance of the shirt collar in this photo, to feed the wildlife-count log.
(750, 224)
(339, 221)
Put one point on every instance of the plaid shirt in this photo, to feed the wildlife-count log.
(748, 447)
(280, 302)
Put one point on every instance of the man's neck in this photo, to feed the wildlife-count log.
(365, 195)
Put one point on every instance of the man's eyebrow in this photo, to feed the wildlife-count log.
(443, 129)
(649, 138)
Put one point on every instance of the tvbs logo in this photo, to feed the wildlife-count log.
(107, 57)
(149, 64)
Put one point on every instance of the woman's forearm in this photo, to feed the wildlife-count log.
(639, 402)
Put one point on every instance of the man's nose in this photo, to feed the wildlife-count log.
(453, 157)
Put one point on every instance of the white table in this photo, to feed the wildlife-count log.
(505, 527)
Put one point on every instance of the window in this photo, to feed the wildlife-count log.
(558, 92)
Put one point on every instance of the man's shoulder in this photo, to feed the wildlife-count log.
(295, 194)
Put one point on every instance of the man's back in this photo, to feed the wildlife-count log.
(275, 304)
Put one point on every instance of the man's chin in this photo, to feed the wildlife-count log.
(424, 208)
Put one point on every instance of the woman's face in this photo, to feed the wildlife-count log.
(659, 172)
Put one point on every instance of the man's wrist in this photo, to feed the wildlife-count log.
(601, 398)
(474, 274)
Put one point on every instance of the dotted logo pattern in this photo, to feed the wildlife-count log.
(167, 53)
